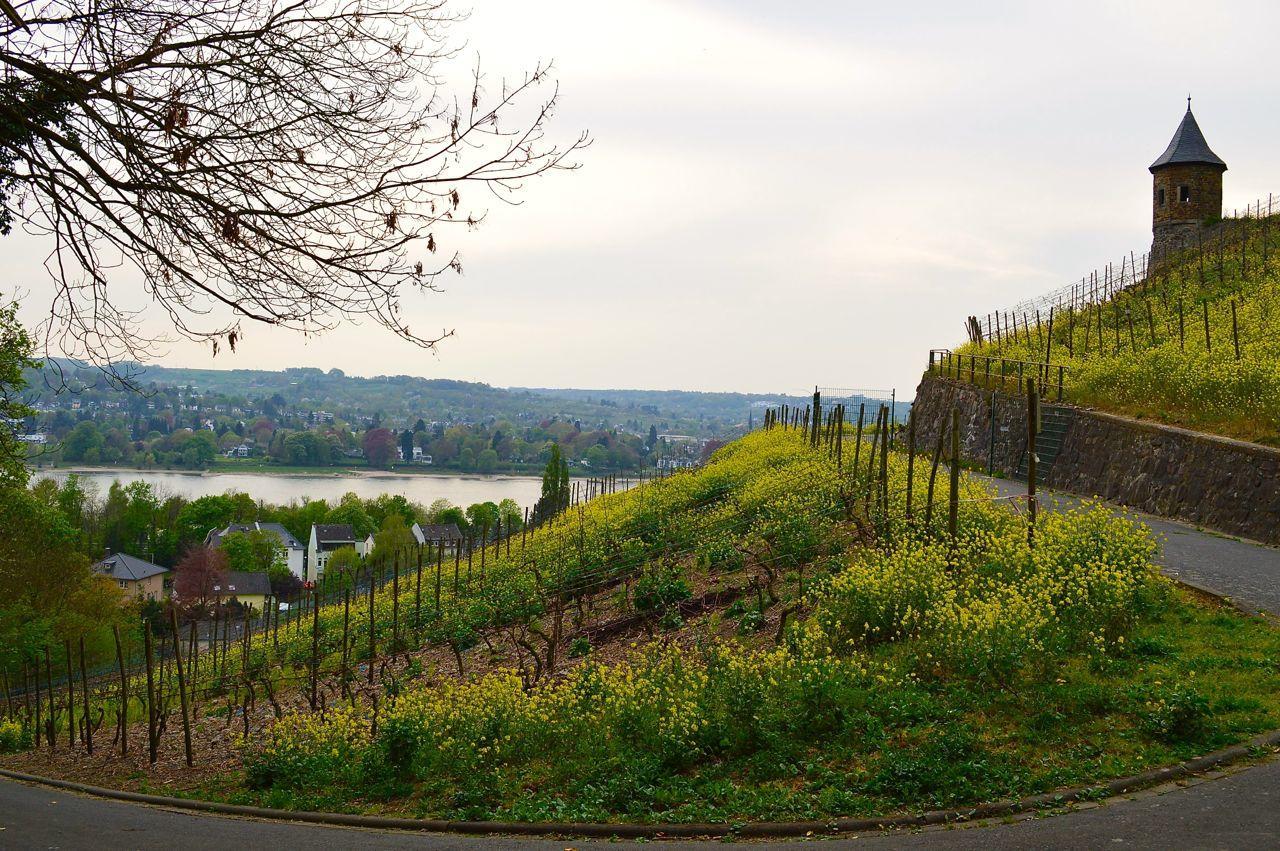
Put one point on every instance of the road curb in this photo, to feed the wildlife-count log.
(756, 830)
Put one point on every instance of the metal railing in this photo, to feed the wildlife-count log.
(1102, 284)
(994, 373)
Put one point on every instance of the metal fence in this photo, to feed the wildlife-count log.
(996, 373)
(852, 397)
(1101, 284)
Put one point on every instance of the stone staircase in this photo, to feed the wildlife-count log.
(1054, 423)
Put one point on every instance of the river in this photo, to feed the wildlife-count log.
(281, 488)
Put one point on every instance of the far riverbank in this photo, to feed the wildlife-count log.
(282, 487)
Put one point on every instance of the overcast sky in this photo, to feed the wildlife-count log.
(788, 194)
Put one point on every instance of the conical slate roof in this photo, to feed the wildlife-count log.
(1188, 146)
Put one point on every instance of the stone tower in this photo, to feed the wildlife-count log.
(1187, 189)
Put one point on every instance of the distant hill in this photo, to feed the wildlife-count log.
(401, 398)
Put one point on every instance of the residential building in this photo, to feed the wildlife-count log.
(444, 535)
(325, 538)
(138, 577)
(292, 551)
(248, 589)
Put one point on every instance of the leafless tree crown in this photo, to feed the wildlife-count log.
(285, 161)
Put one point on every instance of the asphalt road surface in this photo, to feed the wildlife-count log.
(1238, 811)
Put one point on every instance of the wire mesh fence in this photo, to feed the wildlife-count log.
(1129, 271)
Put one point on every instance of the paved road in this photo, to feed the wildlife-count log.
(1237, 811)
(1247, 572)
(1240, 810)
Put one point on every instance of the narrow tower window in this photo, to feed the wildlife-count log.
(1160, 197)
(1184, 194)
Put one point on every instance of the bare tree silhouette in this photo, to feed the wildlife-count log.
(290, 162)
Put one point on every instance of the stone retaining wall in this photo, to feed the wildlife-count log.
(1223, 484)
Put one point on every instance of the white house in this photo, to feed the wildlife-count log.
(444, 535)
(327, 537)
(293, 553)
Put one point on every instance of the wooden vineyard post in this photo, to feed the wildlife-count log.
(39, 699)
(857, 442)
(991, 432)
(1071, 327)
(51, 723)
(373, 641)
(884, 475)
(71, 697)
(1208, 344)
(933, 475)
(1048, 346)
(911, 458)
(84, 698)
(193, 670)
(840, 438)
(953, 515)
(1235, 329)
(417, 594)
(182, 686)
(153, 739)
(471, 557)
(315, 653)
(1033, 417)
(457, 564)
(817, 418)
(26, 700)
(439, 560)
(395, 601)
(1182, 326)
(226, 641)
(1151, 320)
(871, 465)
(346, 631)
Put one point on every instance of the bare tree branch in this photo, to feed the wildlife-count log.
(289, 162)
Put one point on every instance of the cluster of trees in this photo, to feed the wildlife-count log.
(110, 438)
(48, 591)
(142, 520)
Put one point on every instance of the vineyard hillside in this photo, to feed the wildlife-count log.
(806, 627)
(1192, 341)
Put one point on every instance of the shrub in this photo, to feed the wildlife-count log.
(1175, 715)
(14, 736)
(660, 587)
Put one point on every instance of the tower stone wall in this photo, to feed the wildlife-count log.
(1186, 190)
(1184, 199)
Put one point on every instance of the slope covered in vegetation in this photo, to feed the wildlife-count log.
(1196, 342)
(914, 670)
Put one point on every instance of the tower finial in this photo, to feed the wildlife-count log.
(1188, 103)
